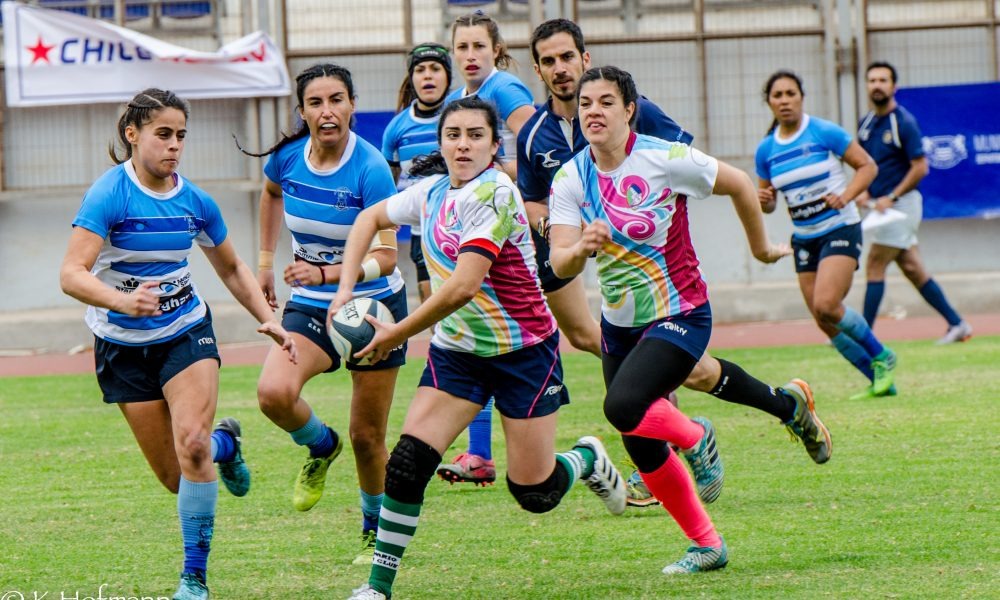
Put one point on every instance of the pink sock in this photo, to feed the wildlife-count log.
(673, 487)
(663, 421)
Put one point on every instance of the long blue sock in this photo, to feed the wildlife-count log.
(223, 446)
(481, 432)
(370, 507)
(854, 354)
(857, 329)
(873, 298)
(196, 511)
(317, 436)
(934, 296)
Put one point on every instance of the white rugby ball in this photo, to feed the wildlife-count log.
(350, 332)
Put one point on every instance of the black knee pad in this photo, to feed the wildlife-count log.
(411, 466)
(541, 497)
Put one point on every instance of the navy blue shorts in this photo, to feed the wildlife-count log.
(689, 331)
(310, 321)
(417, 256)
(138, 373)
(525, 383)
(842, 241)
(550, 282)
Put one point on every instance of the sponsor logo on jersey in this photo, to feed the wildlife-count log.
(547, 161)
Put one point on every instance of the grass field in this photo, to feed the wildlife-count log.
(908, 507)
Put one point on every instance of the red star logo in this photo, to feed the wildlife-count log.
(40, 51)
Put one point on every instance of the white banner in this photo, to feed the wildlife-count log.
(54, 57)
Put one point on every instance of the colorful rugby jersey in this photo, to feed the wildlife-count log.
(148, 237)
(406, 137)
(507, 93)
(485, 216)
(805, 167)
(321, 206)
(546, 141)
(649, 270)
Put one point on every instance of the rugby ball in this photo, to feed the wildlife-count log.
(350, 332)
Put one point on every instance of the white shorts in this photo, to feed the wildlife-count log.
(901, 234)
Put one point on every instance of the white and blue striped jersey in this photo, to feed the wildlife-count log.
(803, 169)
(507, 93)
(148, 237)
(406, 137)
(321, 206)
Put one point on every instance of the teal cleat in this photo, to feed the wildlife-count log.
(192, 587)
(235, 474)
(706, 464)
(698, 559)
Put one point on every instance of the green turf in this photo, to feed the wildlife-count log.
(908, 507)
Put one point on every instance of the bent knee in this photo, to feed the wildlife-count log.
(275, 397)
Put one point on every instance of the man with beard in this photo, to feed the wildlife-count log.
(890, 134)
(549, 139)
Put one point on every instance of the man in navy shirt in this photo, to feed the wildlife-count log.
(550, 138)
(890, 134)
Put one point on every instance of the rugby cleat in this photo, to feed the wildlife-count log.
(805, 424)
(192, 587)
(638, 494)
(469, 468)
(883, 366)
(956, 333)
(367, 592)
(706, 464)
(235, 474)
(605, 481)
(368, 539)
(312, 478)
(698, 559)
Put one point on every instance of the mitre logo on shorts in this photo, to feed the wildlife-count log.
(385, 560)
(840, 243)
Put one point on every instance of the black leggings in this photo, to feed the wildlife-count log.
(650, 371)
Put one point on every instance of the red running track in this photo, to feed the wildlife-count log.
(741, 335)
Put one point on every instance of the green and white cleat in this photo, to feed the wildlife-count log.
(312, 479)
(235, 474)
(368, 540)
(805, 425)
(698, 559)
(191, 588)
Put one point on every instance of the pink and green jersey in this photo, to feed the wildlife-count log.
(649, 270)
(485, 216)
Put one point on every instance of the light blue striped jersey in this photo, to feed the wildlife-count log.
(321, 206)
(406, 137)
(507, 93)
(148, 237)
(805, 167)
